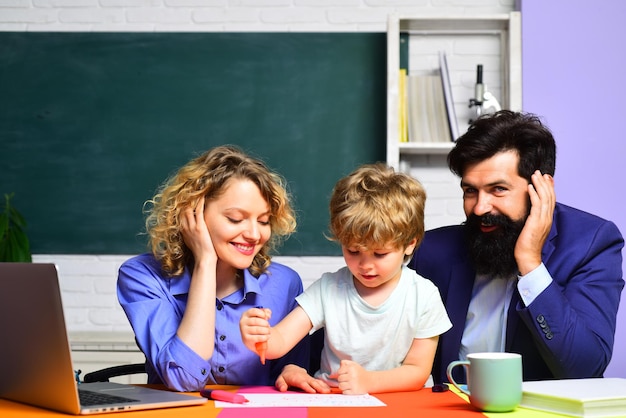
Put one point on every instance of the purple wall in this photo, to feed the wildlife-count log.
(574, 77)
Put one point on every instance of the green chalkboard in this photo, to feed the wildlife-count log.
(92, 123)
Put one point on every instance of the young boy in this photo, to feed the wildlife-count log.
(382, 321)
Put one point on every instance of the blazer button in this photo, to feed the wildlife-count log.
(541, 319)
(549, 335)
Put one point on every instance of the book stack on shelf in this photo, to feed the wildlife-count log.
(404, 129)
(447, 94)
(426, 107)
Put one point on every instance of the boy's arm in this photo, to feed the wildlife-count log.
(411, 375)
(287, 333)
(281, 338)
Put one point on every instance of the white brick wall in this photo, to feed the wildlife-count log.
(88, 286)
(226, 15)
(88, 282)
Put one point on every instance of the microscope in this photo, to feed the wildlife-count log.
(483, 101)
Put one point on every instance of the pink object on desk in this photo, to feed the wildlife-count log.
(223, 395)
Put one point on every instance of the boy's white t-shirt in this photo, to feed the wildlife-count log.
(377, 338)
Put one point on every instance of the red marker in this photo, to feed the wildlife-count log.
(261, 348)
(223, 395)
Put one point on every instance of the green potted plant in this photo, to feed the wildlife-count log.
(14, 244)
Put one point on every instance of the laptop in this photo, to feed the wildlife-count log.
(35, 357)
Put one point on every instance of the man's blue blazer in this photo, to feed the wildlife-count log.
(568, 331)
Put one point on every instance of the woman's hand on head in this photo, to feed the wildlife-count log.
(196, 233)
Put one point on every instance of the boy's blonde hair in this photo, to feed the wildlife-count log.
(375, 206)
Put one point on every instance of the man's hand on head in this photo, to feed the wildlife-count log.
(535, 232)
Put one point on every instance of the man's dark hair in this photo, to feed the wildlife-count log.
(503, 131)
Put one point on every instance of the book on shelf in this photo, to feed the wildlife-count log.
(426, 111)
(447, 94)
(594, 397)
(404, 133)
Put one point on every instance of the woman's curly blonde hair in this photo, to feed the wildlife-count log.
(205, 177)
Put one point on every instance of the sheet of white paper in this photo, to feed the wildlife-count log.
(275, 400)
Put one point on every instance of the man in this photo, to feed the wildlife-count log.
(524, 273)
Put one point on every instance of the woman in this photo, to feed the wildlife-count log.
(212, 226)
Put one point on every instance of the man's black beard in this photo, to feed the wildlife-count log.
(493, 253)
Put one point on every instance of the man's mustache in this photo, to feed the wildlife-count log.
(488, 219)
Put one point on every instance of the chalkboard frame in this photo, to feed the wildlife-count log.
(92, 123)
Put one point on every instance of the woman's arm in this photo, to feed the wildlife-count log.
(154, 314)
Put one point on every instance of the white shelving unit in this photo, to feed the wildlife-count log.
(505, 28)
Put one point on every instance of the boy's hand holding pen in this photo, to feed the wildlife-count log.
(259, 312)
(261, 347)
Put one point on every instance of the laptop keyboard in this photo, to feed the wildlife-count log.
(89, 398)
